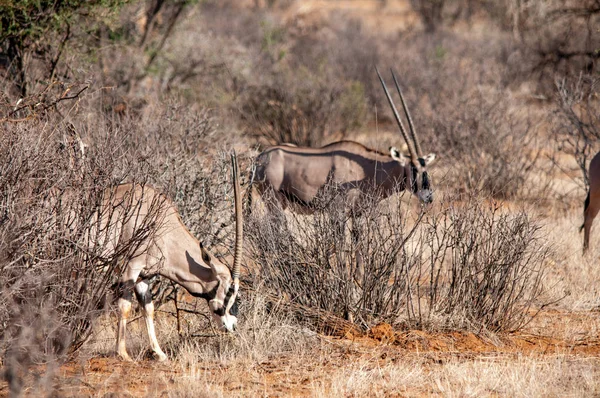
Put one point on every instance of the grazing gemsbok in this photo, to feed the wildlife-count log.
(173, 253)
(298, 174)
(592, 201)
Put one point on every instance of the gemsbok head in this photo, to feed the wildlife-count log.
(297, 175)
(174, 253)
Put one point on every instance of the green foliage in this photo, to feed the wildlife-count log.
(273, 37)
(34, 25)
(26, 21)
(440, 52)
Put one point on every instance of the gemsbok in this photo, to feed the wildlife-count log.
(297, 175)
(592, 201)
(174, 253)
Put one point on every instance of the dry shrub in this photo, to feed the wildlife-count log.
(494, 144)
(56, 264)
(463, 112)
(483, 266)
(55, 267)
(344, 50)
(559, 38)
(576, 127)
(302, 109)
(468, 266)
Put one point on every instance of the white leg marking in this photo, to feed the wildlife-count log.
(145, 299)
(149, 317)
(124, 310)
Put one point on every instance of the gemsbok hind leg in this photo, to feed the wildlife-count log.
(125, 292)
(144, 296)
(124, 304)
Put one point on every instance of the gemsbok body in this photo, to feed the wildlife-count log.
(171, 252)
(592, 201)
(297, 175)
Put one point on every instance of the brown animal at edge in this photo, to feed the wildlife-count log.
(592, 201)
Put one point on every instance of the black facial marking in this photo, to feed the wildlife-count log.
(234, 308)
(220, 311)
(425, 180)
(230, 292)
(210, 295)
(206, 257)
(414, 185)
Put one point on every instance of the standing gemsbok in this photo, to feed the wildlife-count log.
(173, 253)
(298, 174)
(592, 201)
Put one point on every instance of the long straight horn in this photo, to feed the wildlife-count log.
(413, 154)
(413, 133)
(239, 227)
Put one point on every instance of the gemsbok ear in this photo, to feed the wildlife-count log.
(429, 159)
(397, 155)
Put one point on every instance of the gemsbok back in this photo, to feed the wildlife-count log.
(592, 201)
(174, 253)
(297, 175)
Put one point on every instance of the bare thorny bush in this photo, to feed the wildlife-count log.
(470, 266)
(57, 270)
(496, 144)
(56, 263)
(577, 128)
(302, 110)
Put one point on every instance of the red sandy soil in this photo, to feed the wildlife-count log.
(381, 345)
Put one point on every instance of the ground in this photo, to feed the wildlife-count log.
(557, 355)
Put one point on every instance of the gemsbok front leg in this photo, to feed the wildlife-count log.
(144, 297)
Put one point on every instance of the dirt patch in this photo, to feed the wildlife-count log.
(421, 341)
(382, 332)
(584, 342)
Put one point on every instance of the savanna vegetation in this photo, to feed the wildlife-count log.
(485, 292)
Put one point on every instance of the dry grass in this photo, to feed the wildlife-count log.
(569, 273)
(478, 377)
(338, 368)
